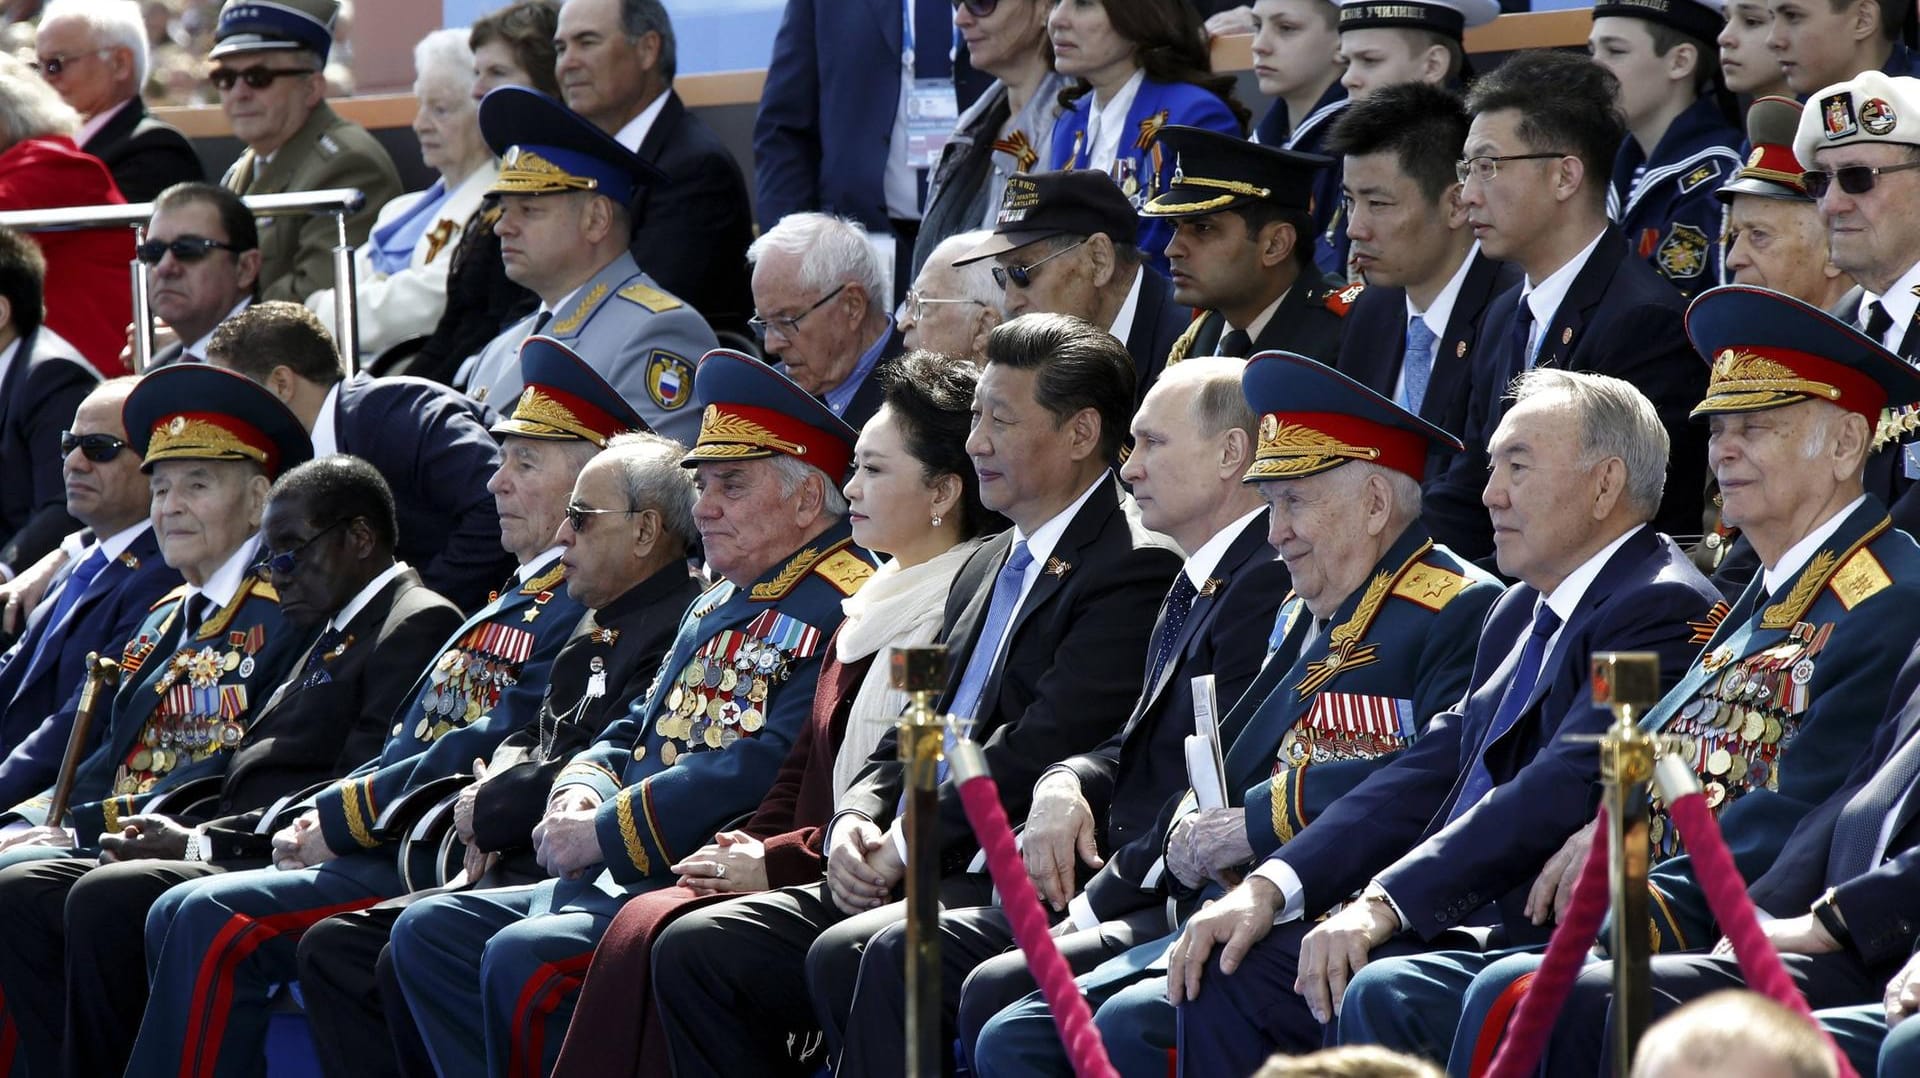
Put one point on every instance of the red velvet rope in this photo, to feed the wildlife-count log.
(1022, 905)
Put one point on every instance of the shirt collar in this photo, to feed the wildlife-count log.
(1440, 311)
(635, 131)
(1543, 299)
(1775, 577)
(1123, 321)
(92, 127)
(324, 438)
(1047, 536)
(225, 583)
(198, 349)
(1201, 563)
(365, 595)
(1900, 303)
(1565, 599)
(841, 396)
(538, 564)
(117, 543)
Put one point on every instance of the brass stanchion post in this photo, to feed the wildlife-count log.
(1627, 683)
(922, 674)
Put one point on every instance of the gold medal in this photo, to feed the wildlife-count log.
(669, 752)
(231, 662)
(758, 691)
(141, 760)
(1755, 726)
(640, 753)
(751, 720)
(715, 710)
(728, 680)
(1718, 761)
(1771, 735)
(713, 736)
(420, 730)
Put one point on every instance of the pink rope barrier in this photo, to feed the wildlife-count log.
(1070, 1013)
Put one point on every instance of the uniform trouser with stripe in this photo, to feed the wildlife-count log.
(217, 947)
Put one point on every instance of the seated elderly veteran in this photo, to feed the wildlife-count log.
(328, 534)
(1578, 464)
(211, 649)
(1376, 637)
(211, 978)
(628, 528)
(565, 190)
(699, 750)
(1795, 678)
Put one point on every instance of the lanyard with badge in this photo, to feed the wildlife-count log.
(932, 107)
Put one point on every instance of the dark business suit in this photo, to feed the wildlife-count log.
(1125, 780)
(873, 391)
(433, 447)
(1619, 317)
(309, 733)
(146, 155)
(40, 390)
(1158, 321)
(691, 233)
(1444, 864)
(1307, 322)
(1375, 345)
(1886, 476)
(350, 996)
(1074, 650)
(38, 699)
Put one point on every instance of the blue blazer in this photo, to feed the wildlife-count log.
(832, 92)
(1621, 318)
(1395, 825)
(45, 695)
(1157, 105)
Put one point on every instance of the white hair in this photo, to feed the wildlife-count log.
(1616, 420)
(832, 251)
(974, 280)
(793, 472)
(113, 24)
(443, 57)
(29, 108)
(652, 478)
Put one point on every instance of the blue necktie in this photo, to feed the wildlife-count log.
(932, 36)
(76, 585)
(1172, 618)
(1512, 703)
(1416, 366)
(1856, 834)
(986, 647)
(1522, 337)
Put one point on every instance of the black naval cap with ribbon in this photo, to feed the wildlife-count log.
(1214, 172)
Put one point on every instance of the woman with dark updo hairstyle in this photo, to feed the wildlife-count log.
(914, 498)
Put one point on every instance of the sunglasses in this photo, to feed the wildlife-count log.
(577, 515)
(284, 563)
(98, 448)
(259, 78)
(54, 65)
(185, 249)
(979, 9)
(1854, 179)
(1023, 275)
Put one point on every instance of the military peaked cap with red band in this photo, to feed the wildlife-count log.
(566, 400)
(750, 411)
(1772, 170)
(196, 412)
(1314, 419)
(1768, 350)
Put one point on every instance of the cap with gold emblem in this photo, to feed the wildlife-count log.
(547, 148)
(1314, 419)
(1769, 350)
(1214, 172)
(751, 411)
(564, 399)
(1449, 18)
(1771, 171)
(196, 412)
(274, 26)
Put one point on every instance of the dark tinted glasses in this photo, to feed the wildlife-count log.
(979, 9)
(285, 562)
(98, 448)
(185, 249)
(577, 515)
(259, 78)
(1022, 276)
(1853, 179)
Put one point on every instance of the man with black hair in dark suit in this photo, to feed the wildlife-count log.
(328, 534)
(430, 442)
(1414, 333)
(1542, 139)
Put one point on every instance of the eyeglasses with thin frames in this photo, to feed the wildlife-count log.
(55, 65)
(1853, 179)
(258, 78)
(285, 562)
(1023, 275)
(788, 325)
(1486, 167)
(98, 448)
(912, 308)
(577, 515)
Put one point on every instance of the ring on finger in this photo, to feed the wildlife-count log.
(720, 872)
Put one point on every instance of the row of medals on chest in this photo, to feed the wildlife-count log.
(708, 695)
(467, 683)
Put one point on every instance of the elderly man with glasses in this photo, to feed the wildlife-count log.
(951, 310)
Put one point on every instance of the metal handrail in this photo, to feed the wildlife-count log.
(338, 201)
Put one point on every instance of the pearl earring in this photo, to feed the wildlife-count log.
(936, 520)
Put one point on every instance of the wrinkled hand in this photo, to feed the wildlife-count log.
(146, 837)
(1059, 828)
(1336, 949)
(862, 866)
(476, 864)
(44, 835)
(1234, 20)
(566, 844)
(1553, 889)
(302, 844)
(1239, 919)
(1206, 844)
(1063, 928)
(1903, 992)
(20, 595)
(1799, 935)
(463, 803)
(734, 862)
(573, 799)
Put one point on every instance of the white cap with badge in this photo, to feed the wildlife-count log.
(1871, 107)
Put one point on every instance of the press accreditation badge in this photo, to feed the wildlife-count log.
(932, 111)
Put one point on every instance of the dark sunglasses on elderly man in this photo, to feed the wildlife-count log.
(1853, 179)
(185, 249)
(258, 78)
(98, 448)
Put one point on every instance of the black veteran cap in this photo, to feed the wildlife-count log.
(270, 25)
(1769, 350)
(193, 411)
(1314, 419)
(547, 148)
(566, 400)
(751, 411)
(1698, 19)
(1041, 205)
(1213, 172)
(1772, 170)
(1449, 18)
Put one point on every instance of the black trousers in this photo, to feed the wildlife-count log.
(73, 956)
(361, 1025)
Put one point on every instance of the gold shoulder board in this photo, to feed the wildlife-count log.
(649, 297)
(1429, 586)
(1859, 578)
(844, 571)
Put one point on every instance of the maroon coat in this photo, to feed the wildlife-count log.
(88, 299)
(617, 993)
